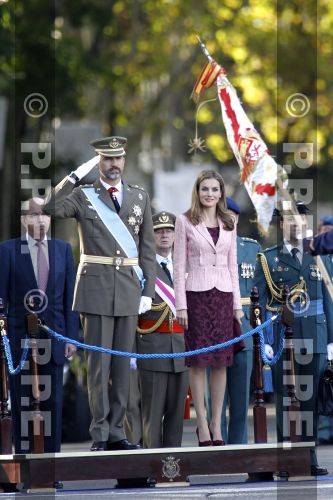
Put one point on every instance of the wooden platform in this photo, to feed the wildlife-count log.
(160, 465)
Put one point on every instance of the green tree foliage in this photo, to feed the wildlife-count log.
(133, 63)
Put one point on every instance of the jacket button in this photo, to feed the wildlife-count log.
(117, 268)
(118, 252)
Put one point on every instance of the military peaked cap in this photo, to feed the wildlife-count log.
(164, 220)
(110, 146)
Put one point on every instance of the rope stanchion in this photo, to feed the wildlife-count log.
(61, 338)
(228, 343)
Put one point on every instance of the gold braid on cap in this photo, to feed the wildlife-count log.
(296, 291)
(162, 306)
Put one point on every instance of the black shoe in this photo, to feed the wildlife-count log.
(123, 444)
(99, 446)
(316, 470)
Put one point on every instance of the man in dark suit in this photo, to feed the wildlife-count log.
(289, 263)
(163, 382)
(115, 278)
(34, 266)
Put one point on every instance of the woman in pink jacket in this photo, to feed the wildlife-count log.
(207, 294)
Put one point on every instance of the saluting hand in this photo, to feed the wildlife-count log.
(182, 318)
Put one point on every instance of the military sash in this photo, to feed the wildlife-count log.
(116, 227)
(167, 294)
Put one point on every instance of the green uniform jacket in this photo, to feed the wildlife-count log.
(104, 289)
(148, 343)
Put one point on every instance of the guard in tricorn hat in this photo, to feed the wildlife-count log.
(163, 382)
(290, 263)
(115, 280)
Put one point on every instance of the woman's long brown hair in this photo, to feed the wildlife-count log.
(194, 214)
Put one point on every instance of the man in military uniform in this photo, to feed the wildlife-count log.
(163, 382)
(290, 264)
(325, 427)
(239, 374)
(115, 278)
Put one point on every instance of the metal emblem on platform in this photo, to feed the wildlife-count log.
(171, 468)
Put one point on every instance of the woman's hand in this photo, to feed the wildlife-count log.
(182, 318)
(238, 314)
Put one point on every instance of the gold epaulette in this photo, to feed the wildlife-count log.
(296, 291)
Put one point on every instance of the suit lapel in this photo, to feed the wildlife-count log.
(161, 274)
(127, 196)
(104, 195)
(307, 260)
(201, 228)
(51, 245)
(286, 258)
(24, 262)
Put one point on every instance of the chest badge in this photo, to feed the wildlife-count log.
(137, 210)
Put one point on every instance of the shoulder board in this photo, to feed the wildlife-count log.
(85, 186)
(136, 186)
(270, 248)
(250, 240)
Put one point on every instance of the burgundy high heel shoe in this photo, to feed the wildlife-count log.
(216, 442)
(202, 443)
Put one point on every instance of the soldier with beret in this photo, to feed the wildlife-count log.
(163, 382)
(289, 263)
(115, 279)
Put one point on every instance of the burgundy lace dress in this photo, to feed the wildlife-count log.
(210, 322)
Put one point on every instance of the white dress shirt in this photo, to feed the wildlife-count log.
(167, 260)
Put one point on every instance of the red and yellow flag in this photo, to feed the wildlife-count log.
(208, 76)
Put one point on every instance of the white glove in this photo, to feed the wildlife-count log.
(85, 168)
(269, 351)
(145, 304)
(133, 364)
(330, 351)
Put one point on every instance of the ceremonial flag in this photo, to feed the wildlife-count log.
(208, 76)
(258, 168)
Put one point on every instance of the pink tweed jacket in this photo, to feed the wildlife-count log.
(199, 265)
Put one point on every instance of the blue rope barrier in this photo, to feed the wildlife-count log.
(277, 355)
(228, 343)
(12, 370)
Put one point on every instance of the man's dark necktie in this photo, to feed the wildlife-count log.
(112, 191)
(294, 252)
(166, 270)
